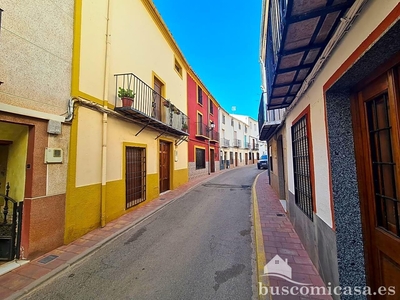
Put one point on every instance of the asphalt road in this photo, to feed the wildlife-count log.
(198, 247)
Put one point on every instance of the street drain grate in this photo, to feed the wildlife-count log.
(227, 186)
(280, 215)
(162, 199)
(48, 259)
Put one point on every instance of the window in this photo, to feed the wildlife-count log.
(211, 107)
(199, 124)
(232, 123)
(199, 95)
(301, 166)
(223, 119)
(200, 158)
(245, 129)
(178, 67)
(240, 126)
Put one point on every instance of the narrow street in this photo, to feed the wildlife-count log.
(198, 247)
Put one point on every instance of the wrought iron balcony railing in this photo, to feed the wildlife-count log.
(202, 130)
(214, 135)
(248, 145)
(237, 143)
(256, 146)
(224, 143)
(137, 100)
(268, 120)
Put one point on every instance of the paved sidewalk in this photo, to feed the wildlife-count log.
(276, 236)
(29, 276)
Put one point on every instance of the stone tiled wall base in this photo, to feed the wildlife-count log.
(319, 240)
(193, 173)
(44, 221)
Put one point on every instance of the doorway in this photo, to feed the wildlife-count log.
(135, 177)
(212, 160)
(246, 158)
(158, 87)
(376, 119)
(165, 163)
(236, 159)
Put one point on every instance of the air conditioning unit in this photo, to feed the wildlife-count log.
(53, 156)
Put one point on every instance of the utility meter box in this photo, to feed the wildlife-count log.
(53, 156)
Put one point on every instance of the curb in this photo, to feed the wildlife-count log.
(259, 243)
(85, 254)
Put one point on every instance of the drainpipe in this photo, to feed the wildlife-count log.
(208, 132)
(104, 125)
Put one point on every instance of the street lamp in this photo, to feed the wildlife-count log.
(211, 127)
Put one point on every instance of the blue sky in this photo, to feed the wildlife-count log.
(220, 40)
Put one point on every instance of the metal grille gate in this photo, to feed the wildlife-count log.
(135, 176)
(10, 227)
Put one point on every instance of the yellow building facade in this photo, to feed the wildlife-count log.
(123, 155)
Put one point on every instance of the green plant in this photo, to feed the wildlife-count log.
(125, 93)
(184, 126)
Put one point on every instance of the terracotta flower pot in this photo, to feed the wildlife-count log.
(126, 102)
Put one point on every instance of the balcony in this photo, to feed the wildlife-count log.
(237, 143)
(268, 121)
(214, 136)
(296, 36)
(202, 131)
(256, 146)
(147, 107)
(247, 145)
(224, 143)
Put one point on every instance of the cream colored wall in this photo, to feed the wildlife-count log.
(89, 147)
(36, 47)
(136, 45)
(373, 13)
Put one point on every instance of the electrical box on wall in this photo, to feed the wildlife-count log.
(53, 156)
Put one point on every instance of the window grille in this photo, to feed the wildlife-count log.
(301, 166)
(135, 176)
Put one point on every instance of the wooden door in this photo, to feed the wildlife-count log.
(212, 160)
(164, 166)
(158, 86)
(376, 118)
(236, 159)
(246, 158)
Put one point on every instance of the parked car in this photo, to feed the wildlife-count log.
(263, 162)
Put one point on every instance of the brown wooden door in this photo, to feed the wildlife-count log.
(246, 159)
(164, 166)
(236, 159)
(158, 86)
(212, 160)
(377, 129)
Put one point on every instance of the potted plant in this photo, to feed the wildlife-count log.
(126, 96)
(184, 127)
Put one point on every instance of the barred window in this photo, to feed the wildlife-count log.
(200, 158)
(301, 166)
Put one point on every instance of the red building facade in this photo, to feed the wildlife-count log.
(203, 129)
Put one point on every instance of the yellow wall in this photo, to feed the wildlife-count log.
(3, 168)
(17, 165)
